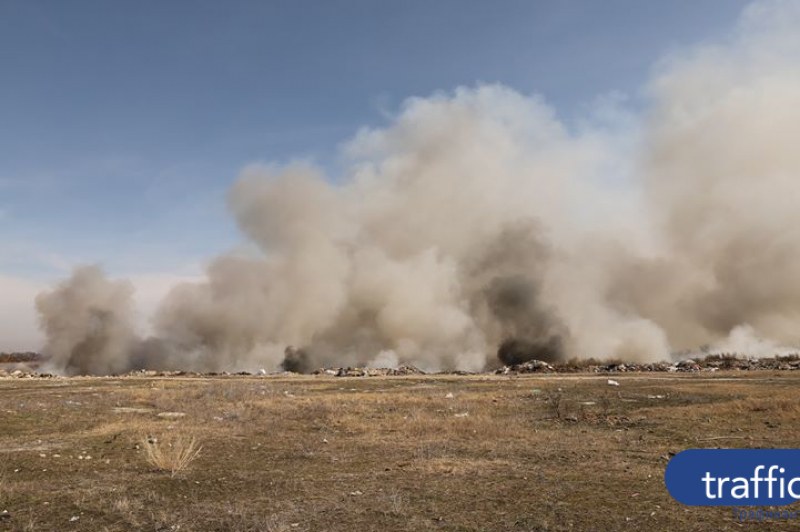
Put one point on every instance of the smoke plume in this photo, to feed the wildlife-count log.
(87, 323)
(478, 224)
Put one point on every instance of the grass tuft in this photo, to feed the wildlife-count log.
(175, 455)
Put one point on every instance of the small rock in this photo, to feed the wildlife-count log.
(130, 410)
(73, 518)
(462, 414)
(612, 382)
(449, 395)
(171, 415)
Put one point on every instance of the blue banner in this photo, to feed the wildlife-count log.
(734, 477)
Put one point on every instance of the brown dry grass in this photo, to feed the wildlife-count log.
(173, 454)
(305, 453)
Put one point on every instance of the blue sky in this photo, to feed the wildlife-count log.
(122, 124)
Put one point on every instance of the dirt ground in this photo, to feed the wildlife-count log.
(554, 452)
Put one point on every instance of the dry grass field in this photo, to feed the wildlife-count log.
(450, 453)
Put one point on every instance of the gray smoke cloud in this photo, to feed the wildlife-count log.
(87, 321)
(478, 224)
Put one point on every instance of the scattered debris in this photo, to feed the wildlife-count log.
(687, 365)
(369, 372)
(26, 366)
(711, 363)
(531, 366)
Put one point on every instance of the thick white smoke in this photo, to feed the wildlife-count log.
(477, 220)
(722, 176)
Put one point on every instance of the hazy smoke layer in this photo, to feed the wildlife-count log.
(477, 222)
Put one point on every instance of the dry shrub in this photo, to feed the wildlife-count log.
(396, 504)
(173, 455)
